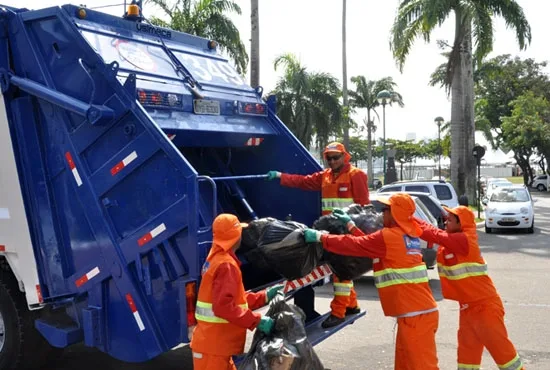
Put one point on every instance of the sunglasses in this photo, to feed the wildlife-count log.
(333, 157)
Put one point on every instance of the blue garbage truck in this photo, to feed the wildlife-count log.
(120, 142)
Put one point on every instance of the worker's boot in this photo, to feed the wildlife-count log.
(332, 321)
(352, 311)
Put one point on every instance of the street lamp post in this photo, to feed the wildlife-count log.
(439, 121)
(384, 97)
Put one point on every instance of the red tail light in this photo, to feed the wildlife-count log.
(254, 109)
(191, 301)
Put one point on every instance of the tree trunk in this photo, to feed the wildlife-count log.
(370, 170)
(401, 170)
(254, 44)
(463, 175)
(345, 76)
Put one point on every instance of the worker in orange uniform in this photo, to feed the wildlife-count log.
(341, 185)
(400, 276)
(224, 309)
(464, 278)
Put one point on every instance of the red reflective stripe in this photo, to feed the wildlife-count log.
(70, 161)
(87, 277)
(254, 141)
(171, 136)
(125, 162)
(39, 294)
(150, 235)
(131, 302)
(135, 312)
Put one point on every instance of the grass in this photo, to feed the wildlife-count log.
(474, 209)
(515, 179)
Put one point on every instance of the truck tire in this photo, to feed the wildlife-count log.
(21, 345)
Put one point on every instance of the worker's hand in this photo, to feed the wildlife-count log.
(272, 175)
(272, 292)
(312, 236)
(341, 216)
(266, 325)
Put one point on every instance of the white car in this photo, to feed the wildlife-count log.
(496, 183)
(509, 208)
(540, 182)
(441, 190)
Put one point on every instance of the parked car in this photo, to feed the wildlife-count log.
(509, 208)
(429, 255)
(540, 183)
(441, 190)
(496, 183)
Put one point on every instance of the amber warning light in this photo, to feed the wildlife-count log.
(255, 109)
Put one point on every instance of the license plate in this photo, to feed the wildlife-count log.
(211, 107)
(508, 219)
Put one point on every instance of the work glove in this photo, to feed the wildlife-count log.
(272, 292)
(266, 325)
(341, 216)
(312, 236)
(272, 175)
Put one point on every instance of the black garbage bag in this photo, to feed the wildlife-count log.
(288, 339)
(251, 234)
(347, 267)
(283, 249)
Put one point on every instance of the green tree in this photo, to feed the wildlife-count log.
(405, 152)
(308, 102)
(473, 24)
(364, 97)
(527, 128)
(358, 149)
(208, 19)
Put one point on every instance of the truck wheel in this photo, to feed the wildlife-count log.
(21, 345)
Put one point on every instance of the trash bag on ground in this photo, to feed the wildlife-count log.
(368, 221)
(283, 249)
(251, 234)
(287, 347)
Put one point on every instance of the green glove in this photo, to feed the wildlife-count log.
(272, 292)
(272, 175)
(266, 325)
(312, 236)
(342, 216)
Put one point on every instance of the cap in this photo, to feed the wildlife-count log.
(402, 208)
(227, 230)
(336, 147)
(464, 214)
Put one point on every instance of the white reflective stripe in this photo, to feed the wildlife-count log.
(204, 312)
(376, 260)
(390, 276)
(342, 289)
(416, 313)
(468, 367)
(329, 204)
(449, 256)
(197, 355)
(514, 364)
(462, 270)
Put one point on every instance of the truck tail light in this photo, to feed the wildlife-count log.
(191, 301)
(253, 109)
(159, 99)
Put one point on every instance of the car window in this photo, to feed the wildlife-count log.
(510, 196)
(443, 192)
(418, 188)
(432, 207)
(542, 177)
(424, 211)
(390, 189)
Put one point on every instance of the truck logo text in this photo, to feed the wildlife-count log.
(154, 30)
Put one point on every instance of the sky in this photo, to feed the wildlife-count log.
(311, 29)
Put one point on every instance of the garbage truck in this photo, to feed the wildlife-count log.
(120, 141)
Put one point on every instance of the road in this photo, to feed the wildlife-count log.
(518, 264)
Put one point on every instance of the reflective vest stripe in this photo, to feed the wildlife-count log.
(514, 364)
(343, 289)
(390, 276)
(462, 270)
(328, 204)
(468, 367)
(204, 312)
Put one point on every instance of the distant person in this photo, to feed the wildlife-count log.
(341, 185)
(464, 278)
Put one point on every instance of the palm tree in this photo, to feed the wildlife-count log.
(254, 44)
(208, 19)
(345, 75)
(364, 97)
(308, 102)
(474, 23)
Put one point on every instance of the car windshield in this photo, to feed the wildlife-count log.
(510, 196)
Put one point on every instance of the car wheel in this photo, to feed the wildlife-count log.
(541, 187)
(531, 229)
(488, 230)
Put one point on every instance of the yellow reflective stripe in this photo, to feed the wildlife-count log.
(462, 270)
(328, 204)
(204, 312)
(389, 276)
(468, 367)
(514, 364)
(342, 289)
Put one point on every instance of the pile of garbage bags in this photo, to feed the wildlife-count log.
(274, 245)
(280, 246)
(367, 220)
(287, 347)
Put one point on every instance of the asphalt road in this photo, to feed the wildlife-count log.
(518, 264)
